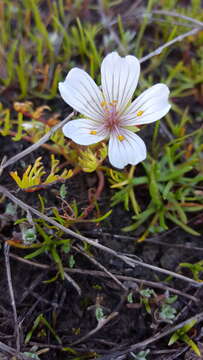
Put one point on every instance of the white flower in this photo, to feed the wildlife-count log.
(108, 112)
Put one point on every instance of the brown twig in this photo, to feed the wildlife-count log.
(35, 146)
(100, 266)
(169, 43)
(97, 273)
(180, 16)
(13, 303)
(73, 283)
(100, 325)
(11, 351)
(173, 354)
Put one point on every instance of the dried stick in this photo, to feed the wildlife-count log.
(13, 304)
(11, 351)
(96, 196)
(7, 349)
(95, 262)
(169, 43)
(73, 283)
(180, 16)
(97, 273)
(35, 146)
(99, 326)
(126, 259)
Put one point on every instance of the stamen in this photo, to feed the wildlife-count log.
(93, 132)
(113, 103)
(120, 137)
(139, 113)
(103, 104)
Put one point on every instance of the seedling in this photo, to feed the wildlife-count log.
(181, 335)
(142, 355)
(196, 269)
(146, 294)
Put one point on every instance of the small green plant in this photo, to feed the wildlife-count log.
(99, 314)
(196, 269)
(167, 313)
(146, 295)
(41, 321)
(181, 335)
(142, 355)
(29, 235)
(168, 183)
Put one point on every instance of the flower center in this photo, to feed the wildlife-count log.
(111, 117)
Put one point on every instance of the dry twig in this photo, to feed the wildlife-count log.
(125, 258)
(169, 43)
(100, 325)
(73, 283)
(13, 303)
(100, 266)
(180, 16)
(97, 273)
(35, 146)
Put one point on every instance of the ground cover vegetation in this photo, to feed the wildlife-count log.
(99, 262)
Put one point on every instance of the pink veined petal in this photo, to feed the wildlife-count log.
(81, 92)
(152, 104)
(119, 78)
(131, 150)
(79, 131)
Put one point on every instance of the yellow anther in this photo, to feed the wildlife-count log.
(93, 132)
(103, 103)
(139, 113)
(114, 102)
(120, 137)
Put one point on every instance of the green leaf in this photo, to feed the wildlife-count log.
(182, 225)
(71, 261)
(141, 219)
(99, 313)
(192, 344)
(173, 338)
(175, 174)
(188, 326)
(36, 253)
(101, 218)
(154, 189)
(63, 191)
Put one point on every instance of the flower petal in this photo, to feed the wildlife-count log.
(150, 106)
(119, 78)
(84, 131)
(82, 94)
(129, 149)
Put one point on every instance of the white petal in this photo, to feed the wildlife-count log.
(79, 131)
(131, 150)
(82, 94)
(119, 78)
(154, 104)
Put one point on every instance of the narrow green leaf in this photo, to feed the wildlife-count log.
(182, 225)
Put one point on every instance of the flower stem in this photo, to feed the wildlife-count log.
(132, 197)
